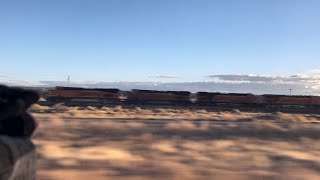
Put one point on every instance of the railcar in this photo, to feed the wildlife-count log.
(315, 100)
(205, 98)
(291, 100)
(226, 98)
(163, 97)
(235, 98)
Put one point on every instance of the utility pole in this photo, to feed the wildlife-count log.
(290, 91)
(69, 80)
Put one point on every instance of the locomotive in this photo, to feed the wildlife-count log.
(63, 94)
(74, 93)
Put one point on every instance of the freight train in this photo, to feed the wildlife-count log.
(63, 94)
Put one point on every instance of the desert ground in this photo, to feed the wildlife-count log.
(174, 143)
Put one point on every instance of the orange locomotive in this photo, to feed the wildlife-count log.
(67, 93)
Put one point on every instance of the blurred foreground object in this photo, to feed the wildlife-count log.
(17, 159)
(17, 152)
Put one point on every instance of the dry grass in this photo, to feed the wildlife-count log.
(228, 145)
(166, 113)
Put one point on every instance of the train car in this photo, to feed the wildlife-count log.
(163, 97)
(205, 98)
(226, 98)
(287, 100)
(291, 100)
(73, 93)
(235, 98)
(315, 100)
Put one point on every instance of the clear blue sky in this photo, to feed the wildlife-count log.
(119, 40)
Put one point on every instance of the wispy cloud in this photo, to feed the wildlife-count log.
(314, 72)
(164, 77)
(264, 79)
(308, 81)
(3, 76)
(11, 81)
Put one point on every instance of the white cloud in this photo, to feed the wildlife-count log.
(164, 77)
(314, 72)
(306, 82)
(12, 82)
(264, 78)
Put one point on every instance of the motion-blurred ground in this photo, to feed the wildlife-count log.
(175, 143)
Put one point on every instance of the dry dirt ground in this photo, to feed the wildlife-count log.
(174, 143)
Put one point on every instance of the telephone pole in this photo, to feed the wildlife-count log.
(290, 91)
(69, 80)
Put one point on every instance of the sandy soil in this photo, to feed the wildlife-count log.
(164, 143)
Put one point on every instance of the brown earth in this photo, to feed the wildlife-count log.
(165, 143)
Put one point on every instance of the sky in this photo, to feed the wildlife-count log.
(156, 40)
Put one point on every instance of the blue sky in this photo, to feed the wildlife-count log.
(138, 40)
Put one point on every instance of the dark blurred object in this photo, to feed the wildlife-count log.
(14, 119)
(17, 158)
(17, 152)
